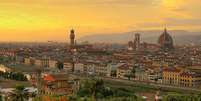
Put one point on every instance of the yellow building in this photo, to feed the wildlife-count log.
(178, 77)
(27, 61)
(190, 79)
(171, 76)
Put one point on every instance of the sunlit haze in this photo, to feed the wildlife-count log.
(42, 20)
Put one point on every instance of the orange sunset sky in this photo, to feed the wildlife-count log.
(42, 20)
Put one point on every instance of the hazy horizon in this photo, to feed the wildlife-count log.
(144, 33)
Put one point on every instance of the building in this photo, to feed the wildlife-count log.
(91, 68)
(72, 39)
(135, 44)
(112, 69)
(29, 61)
(19, 59)
(165, 41)
(38, 62)
(190, 79)
(53, 64)
(5, 52)
(155, 76)
(58, 84)
(67, 65)
(46, 62)
(4, 69)
(141, 74)
(177, 77)
(101, 69)
(123, 71)
(79, 67)
(171, 76)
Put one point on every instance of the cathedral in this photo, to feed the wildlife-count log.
(135, 44)
(165, 41)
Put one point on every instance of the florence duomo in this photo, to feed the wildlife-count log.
(164, 43)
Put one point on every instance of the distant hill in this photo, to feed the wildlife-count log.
(151, 36)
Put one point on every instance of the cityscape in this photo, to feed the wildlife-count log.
(157, 62)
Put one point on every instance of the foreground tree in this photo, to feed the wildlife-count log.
(94, 89)
(94, 86)
(19, 94)
(1, 98)
(181, 97)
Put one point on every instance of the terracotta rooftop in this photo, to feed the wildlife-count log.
(124, 67)
(55, 77)
(192, 74)
(171, 70)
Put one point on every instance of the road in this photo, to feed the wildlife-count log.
(154, 85)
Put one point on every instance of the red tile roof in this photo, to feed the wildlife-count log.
(124, 67)
(171, 70)
(48, 78)
(190, 74)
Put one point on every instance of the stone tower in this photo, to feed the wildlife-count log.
(72, 38)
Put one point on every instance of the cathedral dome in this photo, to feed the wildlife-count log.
(165, 40)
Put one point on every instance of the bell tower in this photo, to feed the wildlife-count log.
(72, 38)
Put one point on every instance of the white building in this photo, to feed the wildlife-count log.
(4, 69)
(67, 66)
(27, 61)
(38, 62)
(79, 67)
(91, 68)
(101, 70)
(52, 64)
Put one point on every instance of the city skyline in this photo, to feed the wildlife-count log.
(37, 20)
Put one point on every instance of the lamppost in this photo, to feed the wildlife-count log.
(39, 84)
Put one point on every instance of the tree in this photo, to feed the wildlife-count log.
(19, 94)
(181, 97)
(128, 76)
(1, 98)
(131, 74)
(60, 65)
(198, 97)
(95, 89)
(92, 88)
(113, 73)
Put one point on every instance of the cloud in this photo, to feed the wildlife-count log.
(180, 23)
(150, 24)
(183, 22)
(179, 9)
(83, 2)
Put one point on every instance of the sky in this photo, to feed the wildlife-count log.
(43, 20)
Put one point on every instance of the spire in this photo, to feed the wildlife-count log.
(165, 30)
(72, 31)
